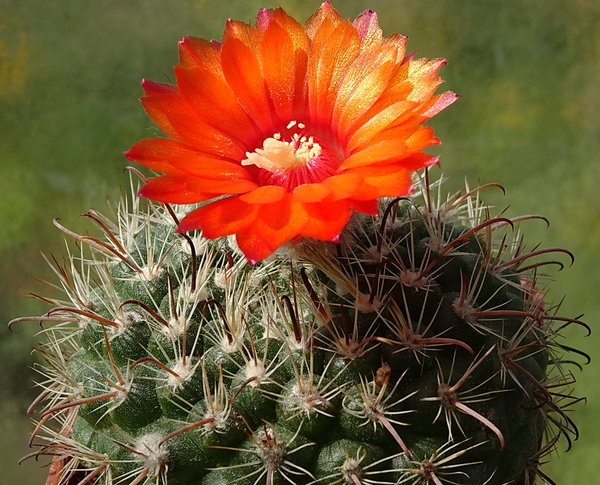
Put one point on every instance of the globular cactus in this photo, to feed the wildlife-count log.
(419, 350)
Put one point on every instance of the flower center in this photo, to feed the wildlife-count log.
(277, 154)
(294, 157)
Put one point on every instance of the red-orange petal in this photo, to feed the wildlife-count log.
(176, 118)
(293, 28)
(155, 153)
(326, 67)
(267, 194)
(220, 218)
(243, 72)
(324, 12)
(422, 138)
(364, 82)
(343, 186)
(311, 192)
(418, 161)
(326, 221)
(223, 186)
(190, 184)
(384, 181)
(152, 87)
(284, 57)
(385, 150)
(367, 26)
(382, 115)
(169, 156)
(422, 67)
(274, 225)
(173, 190)
(197, 52)
(438, 103)
(254, 246)
(208, 92)
(158, 116)
(209, 167)
(370, 207)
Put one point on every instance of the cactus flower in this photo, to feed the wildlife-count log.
(284, 130)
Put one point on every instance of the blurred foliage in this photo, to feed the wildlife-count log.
(529, 119)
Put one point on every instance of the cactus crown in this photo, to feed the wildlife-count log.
(418, 350)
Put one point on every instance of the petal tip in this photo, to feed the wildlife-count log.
(182, 227)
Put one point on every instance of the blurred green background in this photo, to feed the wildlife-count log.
(529, 118)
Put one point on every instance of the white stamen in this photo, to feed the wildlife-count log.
(278, 155)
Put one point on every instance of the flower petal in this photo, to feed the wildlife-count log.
(155, 153)
(370, 207)
(418, 161)
(377, 119)
(311, 192)
(243, 72)
(367, 26)
(267, 194)
(384, 181)
(254, 246)
(383, 151)
(173, 190)
(325, 12)
(326, 221)
(176, 118)
(406, 100)
(438, 103)
(331, 52)
(274, 225)
(197, 52)
(220, 218)
(207, 92)
(223, 186)
(169, 156)
(284, 57)
(362, 86)
(343, 186)
(209, 167)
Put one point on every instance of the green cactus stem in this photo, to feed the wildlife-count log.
(418, 350)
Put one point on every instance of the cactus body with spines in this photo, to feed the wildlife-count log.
(416, 350)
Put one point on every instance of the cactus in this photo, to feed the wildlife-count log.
(416, 350)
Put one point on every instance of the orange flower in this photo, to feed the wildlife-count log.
(283, 130)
